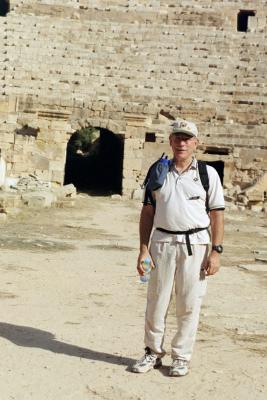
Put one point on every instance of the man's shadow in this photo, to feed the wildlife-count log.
(26, 336)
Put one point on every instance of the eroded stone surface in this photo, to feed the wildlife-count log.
(129, 67)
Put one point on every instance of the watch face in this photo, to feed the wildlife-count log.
(218, 248)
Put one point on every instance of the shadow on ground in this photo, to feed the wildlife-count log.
(25, 336)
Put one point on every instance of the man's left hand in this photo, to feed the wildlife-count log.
(213, 263)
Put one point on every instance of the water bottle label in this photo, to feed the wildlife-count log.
(147, 267)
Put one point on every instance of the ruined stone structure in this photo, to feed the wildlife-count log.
(127, 66)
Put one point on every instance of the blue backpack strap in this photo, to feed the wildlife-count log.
(154, 178)
(149, 172)
(204, 178)
(158, 174)
(149, 199)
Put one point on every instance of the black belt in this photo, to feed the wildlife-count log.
(186, 233)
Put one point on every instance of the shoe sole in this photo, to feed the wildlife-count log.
(177, 374)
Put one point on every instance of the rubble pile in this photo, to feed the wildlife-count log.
(31, 183)
(253, 197)
(30, 191)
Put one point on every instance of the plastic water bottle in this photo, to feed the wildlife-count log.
(147, 267)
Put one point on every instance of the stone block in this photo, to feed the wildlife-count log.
(128, 173)
(133, 132)
(55, 165)
(4, 106)
(66, 102)
(133, 164)
(130, 184)
(39, 162)
(7, 138)
(133, 144)
(257, 207)
(242, 199)
(65, 191)
(66, 203)
(115, 126)
(43, 175)
(57, 125)
(255, 196)
(57, 176)
(19, 168)
(9, 200)
(38, 199)
(116, 197)
(12, 118)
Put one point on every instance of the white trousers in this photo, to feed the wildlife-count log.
(175, 267)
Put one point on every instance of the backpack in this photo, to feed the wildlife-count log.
(155, 178)
(157, 173)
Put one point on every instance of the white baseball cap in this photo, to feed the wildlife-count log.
(183, 126)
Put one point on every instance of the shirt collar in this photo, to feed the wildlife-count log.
(193, 164)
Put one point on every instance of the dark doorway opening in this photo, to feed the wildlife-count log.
(219, 166)
(4, 8)
(95, 166)
(242, 19)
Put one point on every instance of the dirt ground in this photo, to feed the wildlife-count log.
(72, 309)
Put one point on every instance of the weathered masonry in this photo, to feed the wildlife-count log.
(125, 67)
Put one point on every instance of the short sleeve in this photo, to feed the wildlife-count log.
(216, 197)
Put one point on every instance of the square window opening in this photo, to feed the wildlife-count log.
(242, 19)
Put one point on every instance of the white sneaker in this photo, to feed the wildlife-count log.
(179, 367)
(149, 361)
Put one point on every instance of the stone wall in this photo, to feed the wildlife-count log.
(125, 66)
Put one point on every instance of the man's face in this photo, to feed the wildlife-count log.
(183, 146)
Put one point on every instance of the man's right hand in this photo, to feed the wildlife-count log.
(140, 261)
(145, 227)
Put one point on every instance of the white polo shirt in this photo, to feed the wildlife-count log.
(181, 204)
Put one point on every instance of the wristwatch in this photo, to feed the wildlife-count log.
(218, 248)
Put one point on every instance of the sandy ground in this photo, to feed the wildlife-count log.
(72, 310)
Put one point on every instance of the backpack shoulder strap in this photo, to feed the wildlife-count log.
(204, 178)
(149, 172)
(148, 199)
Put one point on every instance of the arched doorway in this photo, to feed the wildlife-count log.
(94, 161)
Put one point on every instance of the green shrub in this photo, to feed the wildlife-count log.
(81, 141)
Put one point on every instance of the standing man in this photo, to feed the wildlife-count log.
(179, 250)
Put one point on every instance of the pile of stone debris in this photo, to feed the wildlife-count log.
(32, 192)
(253, 197)
(30, 183)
